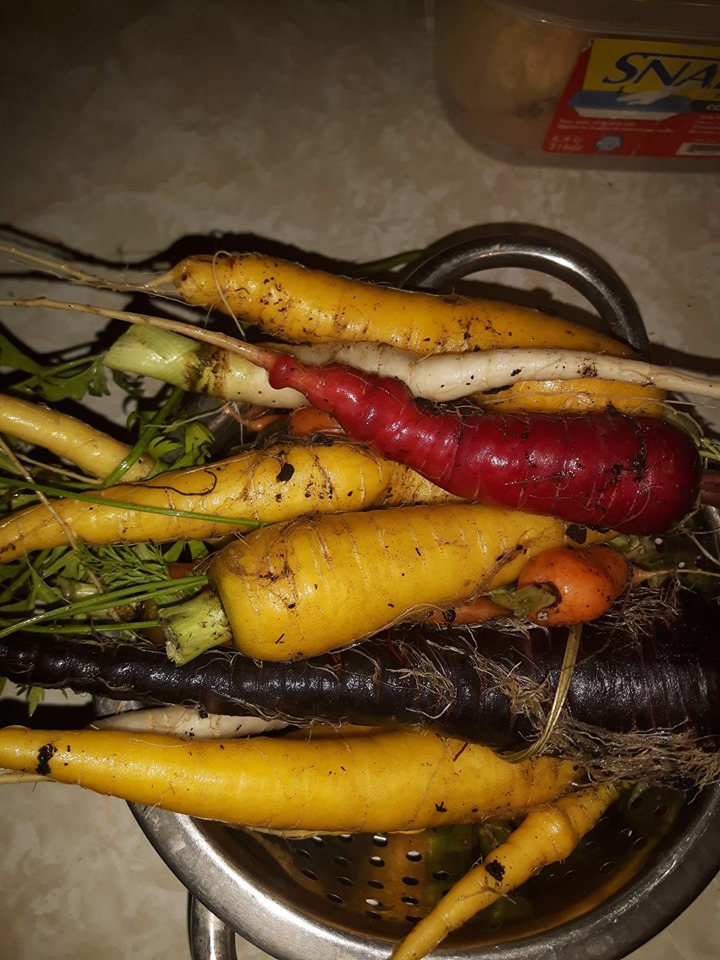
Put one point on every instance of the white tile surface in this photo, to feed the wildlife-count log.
(127, 126)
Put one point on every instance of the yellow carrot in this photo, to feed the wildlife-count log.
(268, 485)
(384, 781)
(93, 451)
(311, 306)
(311, 585)
(547, 835)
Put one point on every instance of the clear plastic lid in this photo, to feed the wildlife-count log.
(697, 20)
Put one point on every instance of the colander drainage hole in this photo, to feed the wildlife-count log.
(341, 861)
(410, 901)
(309, 874)
(441, 875)
(608, 867)
(302, 852)
(345, 881)
(318, 841)
(410, 881)
(334, 897)
(379, 840)
(377, 862)
(373, 915)
(639, 843)
(412, 919)
(414, 856)
(372, 902)
(375, 884)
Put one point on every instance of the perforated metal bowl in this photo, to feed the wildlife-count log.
(354, 896)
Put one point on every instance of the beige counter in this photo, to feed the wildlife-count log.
(314, 125)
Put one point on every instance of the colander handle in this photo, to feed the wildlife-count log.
(546, 251)
(210, 938)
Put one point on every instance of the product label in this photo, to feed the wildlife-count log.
(640, 98)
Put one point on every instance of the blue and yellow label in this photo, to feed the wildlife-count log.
(647, 68)
(646, 98)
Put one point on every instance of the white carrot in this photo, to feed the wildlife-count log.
(442, 377)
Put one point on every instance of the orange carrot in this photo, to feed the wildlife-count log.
(474, 611)
(586, 582)
(308, 420)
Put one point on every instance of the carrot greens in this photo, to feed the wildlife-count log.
(72, 379)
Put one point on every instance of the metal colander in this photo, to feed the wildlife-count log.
(329, 897)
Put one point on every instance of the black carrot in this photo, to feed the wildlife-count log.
(651, 692)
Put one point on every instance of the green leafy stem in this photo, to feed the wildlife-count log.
(163, 589)
(57, 491)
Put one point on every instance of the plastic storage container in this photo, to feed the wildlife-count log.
(634, 82)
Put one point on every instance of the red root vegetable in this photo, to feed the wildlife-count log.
(634, 475)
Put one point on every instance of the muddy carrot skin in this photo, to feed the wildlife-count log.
(310, 306)
(300, 588)
(399, 780)
(547, 835)
(264, 486)
(667, 678)
(635, 475)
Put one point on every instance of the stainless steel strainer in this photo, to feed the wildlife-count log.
(330, 897)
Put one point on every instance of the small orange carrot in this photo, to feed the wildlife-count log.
(472, 612)
(586, 582)
(308, 420)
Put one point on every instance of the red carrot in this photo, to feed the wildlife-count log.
(635, 475)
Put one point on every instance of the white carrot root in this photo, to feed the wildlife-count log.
(187, 722)
(182, 362)
(436, 377)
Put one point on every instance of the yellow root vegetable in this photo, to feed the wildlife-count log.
(92, 450)
(547, 835)
(310, 585)
(380, 782)
(258, 486)
(311, 306)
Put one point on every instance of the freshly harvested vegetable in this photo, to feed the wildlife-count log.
(211, 500)
(71, 439)
(197, 367)
(650, 485)
(204, 368)
(636, 475)
(313, 584)
(559, 587)
(300, 305)
(397, 780)
(311, 306)
(547, 835)
(585, 582)
(644, 698)
(186, 722)
(470, 612)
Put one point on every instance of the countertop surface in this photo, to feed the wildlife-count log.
(314, 126)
